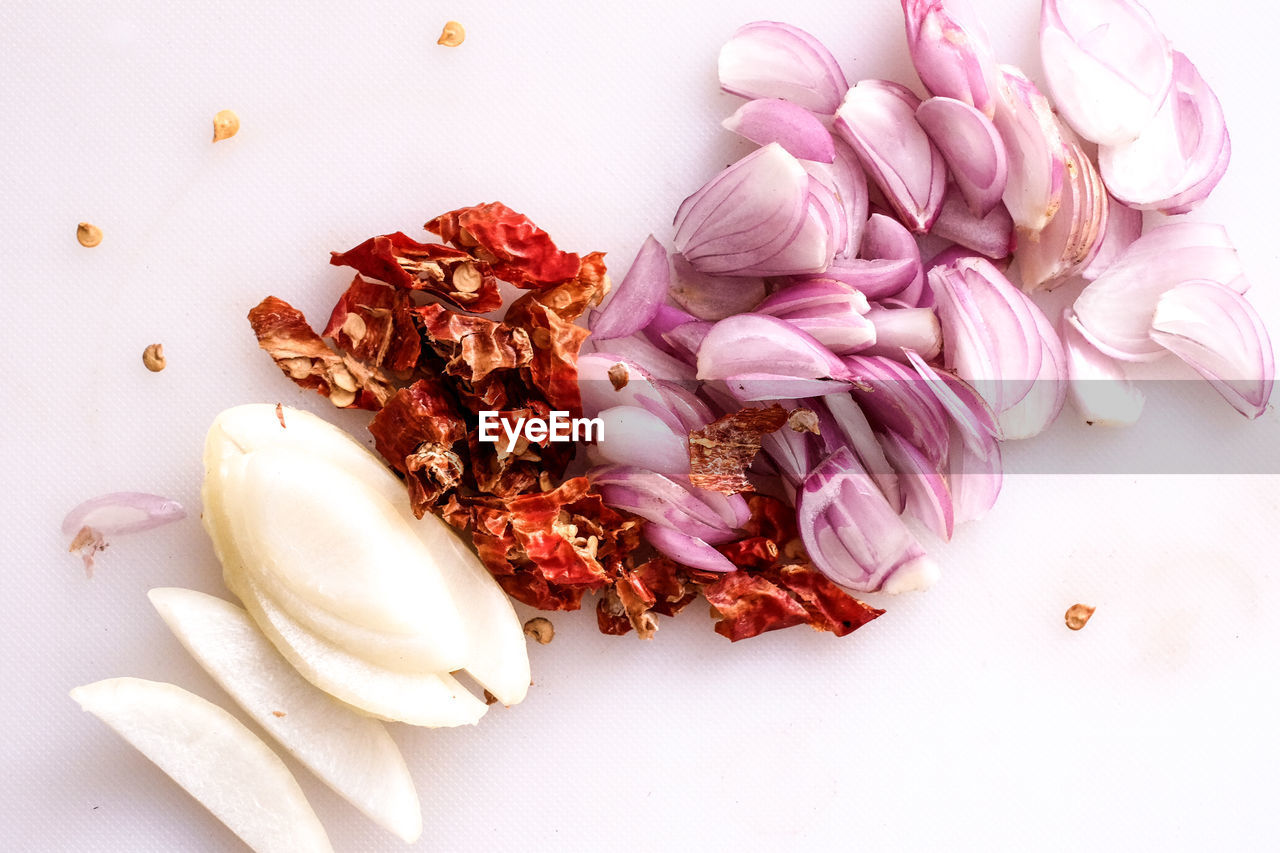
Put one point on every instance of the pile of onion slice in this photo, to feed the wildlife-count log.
(797, 277)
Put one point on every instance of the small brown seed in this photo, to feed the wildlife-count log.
(89, 235)
(1078, 615)
(466, 278)
(153, 358)
(540, 628)
(452, 35)
(226, 124)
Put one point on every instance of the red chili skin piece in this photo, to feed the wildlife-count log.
(521, 252)
(754, 552)
(721, 452)
(382, 333)
(748, 605)
(830, 608)
(404, 263)
(770, 518)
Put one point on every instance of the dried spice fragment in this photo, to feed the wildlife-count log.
(619, 376)
(1078, 615)
(747, 605)
(830, 608)
(305, 358)
(451, 274)
(88, 543)
(153, 358)
(452, 35)
(88, 235)
(540, 629)
(415, 431)
(373, 323)
(520, 252)
(226, 124)
(720, 452)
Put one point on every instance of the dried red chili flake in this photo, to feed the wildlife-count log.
(416, 432)
(373, 322)
(720, 452)
(518, 251)
(753, 552)
(829, 607)
(770, 518)
(747, 605)
(556, 341)
(670, 583)
(400, 261)
(305, 358)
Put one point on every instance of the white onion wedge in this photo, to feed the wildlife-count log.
(349, 752)
(768, 59)
(1037, 168)
(214, 757)
(1099, 390)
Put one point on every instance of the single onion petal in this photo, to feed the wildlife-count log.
(795, 128)
(951, 51)
(791, 451)
(754, 387)
(847, 426)
(1215, 330)
(878, 120)
(1115, 310)
(633, 436)
(972, 149)
(876, 278)
(822, 197)
(854, 536)
(767, 59)
(971, 415)
(656, 363)
(760, 344)
(897, 400)
(1099, 390)
(899, 329)
(666, 319)
(991, 235)
(638, 297)
(712, 297)
(687, 550)
(1180, 156)
(829, 311)
(690, 410)
(1107, 64)
(660, 500)
(849, 183)
(1033, 142)
(1031, 415)
(1074, 235)
(975, 477)
(928, 499)
(606, 380)
(1124, 225)
(885, 238)
(120, 513)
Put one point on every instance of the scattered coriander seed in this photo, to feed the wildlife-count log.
(452, 35)
(540, 628)
(226, 124)
(618, 376)
(88, 234)
(1078, 615)
(153, 358)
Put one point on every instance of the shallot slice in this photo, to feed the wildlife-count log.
(991, 235)
(1215, 330)
(768, 59)
(886, 239)
(878, 120)
(711, 297)
(897, 400)
(116, 514)
(971, 147)
(638, 297)
(854, 536)
(633, 436)
(951, 51)
(760, 344)
(1124, 226)
(899, 329)
(1096, 383)
(687, 550)
(928, 498)
(1074, 235)
(1037, 166)
(795, 128)
(1107, 64)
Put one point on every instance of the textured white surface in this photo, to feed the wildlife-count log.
(966, 718)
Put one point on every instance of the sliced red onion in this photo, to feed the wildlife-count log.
(666, 319)
(1215, 330)
(597, 374)
(849, 183)
(1115, 310)
(660, 500)
(1037, 167)
(711, 297)
(974, 477)
(1073, 236)
(991, 235)
(754, 387)
(795, 128)
(1099, 390)
(899, 329)
(927, 497)
(636, 437)
(688, 408)
(885, 238)
(813, 246)
(746, 215)
(766, 59)
(1107, 64)
(687, 550)
(971, 415)
(896, 400)
(951, 51)
(637, 298)
(829, 311)
(818, 294)
(972, 149)
(824, 199)
(1180, 156)
(120, 513)
(734, 508)
(686, 338)
(854, 536)
(878, 120)
(1124, 225)
(1031, 415)
(989, 331)
(847, 426)
(792, 452)
(760, 344)
(875, 279)
(656, 363)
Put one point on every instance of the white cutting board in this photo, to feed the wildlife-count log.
(966, 718)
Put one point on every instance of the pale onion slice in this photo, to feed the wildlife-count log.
(119, 513)
(823, 196)
(214, 757)
(854, 536)
(897, 400)
(1037, 168)
(928, 499)
(899, 329)
(842, 423)
(712, 297)
(795, 128)
(758, 343)
(637, 351)
(951, 51)
(1099, 390)
(1115, 310)
(634, 436)
(638, 297)
(1033, 414)
(972, 149)
(1215, 330)
(687, 550)
(767, 59)
(1107, 64)
(1124, 226)
(661, 500)
(830, 311)
(497, 651)
(1074, 235)
(349, 752)
(434, 700)
(885, 239)
(1180, 156)
(991, 235)
(875, 278)
(878, 120)
(849, 183)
